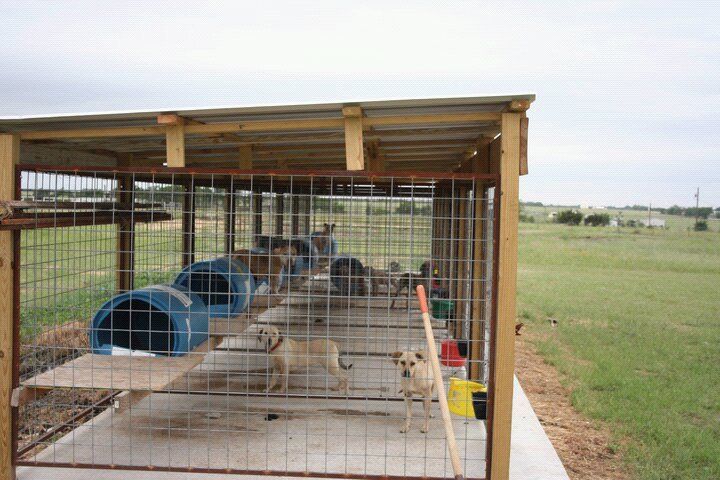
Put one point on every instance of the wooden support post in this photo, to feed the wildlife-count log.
(188, 226)
(461, 252)
(175, 144)
(503, 355)
(524, 145)
(230, 220)
(477, 317)
(257, 205)
(9, 158)
(295, 215)
(354, 155)
(279, 213)
(246, 153)
(305, 216)
(125, 258)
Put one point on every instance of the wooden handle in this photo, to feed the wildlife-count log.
(437, 375)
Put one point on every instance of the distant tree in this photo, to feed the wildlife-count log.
(675, 210)
(631, 223)
(533, 204)
(598, 220)
(701, 226)
(569, 217)
(702, 212)
(409, 208)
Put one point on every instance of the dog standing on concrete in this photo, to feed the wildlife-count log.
(288, 355)
(416, 378)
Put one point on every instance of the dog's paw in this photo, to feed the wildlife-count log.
(405, 429)
(424, 429)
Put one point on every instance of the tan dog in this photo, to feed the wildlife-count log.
(264, 265)
(417, 377)
(288, 355)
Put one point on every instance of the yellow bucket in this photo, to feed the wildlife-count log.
(459, 396)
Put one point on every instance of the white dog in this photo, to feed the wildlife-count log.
(416, 377)
(288, 355)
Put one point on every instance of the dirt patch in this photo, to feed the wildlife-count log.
(583, 446)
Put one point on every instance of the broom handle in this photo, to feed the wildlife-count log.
(449, 432)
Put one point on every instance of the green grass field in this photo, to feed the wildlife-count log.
(638, 338)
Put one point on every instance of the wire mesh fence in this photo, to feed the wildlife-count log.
(251, 323)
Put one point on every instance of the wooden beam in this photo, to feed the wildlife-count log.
(262, 126)
(431, 118)
(518, 105)
(524, 146)
(169, 119)
(156, 130)
(175, 144)
(9, 158)
(354, 151)
(246, 157)
(503, 355)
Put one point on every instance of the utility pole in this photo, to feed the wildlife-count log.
(697, 206)
(650, 215)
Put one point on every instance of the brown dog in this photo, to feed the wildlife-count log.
(268, 265)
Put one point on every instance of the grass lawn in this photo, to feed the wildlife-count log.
(638, 337)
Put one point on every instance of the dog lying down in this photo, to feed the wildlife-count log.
(288, 355)
(416, 377)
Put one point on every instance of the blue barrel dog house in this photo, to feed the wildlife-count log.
(346, 273)
(225, 285)
(160, 319)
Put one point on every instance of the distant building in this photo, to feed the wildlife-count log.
(652, 223)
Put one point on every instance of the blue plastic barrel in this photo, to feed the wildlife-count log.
(160, 319)
(225, 285)
(346, 273)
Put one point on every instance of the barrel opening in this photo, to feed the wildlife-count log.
(213, 287)
(137, 325)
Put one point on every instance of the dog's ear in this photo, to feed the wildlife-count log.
(396, 357)
(261, 332)
(332, 228)
(421, 355)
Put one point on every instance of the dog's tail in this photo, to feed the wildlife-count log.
(343, 366)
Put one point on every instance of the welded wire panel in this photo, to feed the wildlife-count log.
(251, 323)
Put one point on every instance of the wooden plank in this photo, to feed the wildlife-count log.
(494, 154)
(354, 151)
(503, 355)
(122, 372)
(175, 144)
(524, 145)
(169, 119)
(518, 105)
(9, 158)
(246, 157)
(266, 125)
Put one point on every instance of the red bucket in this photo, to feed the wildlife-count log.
(450, 354)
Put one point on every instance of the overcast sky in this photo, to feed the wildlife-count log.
(628, 93)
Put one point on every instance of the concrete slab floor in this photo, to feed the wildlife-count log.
(532, 454)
